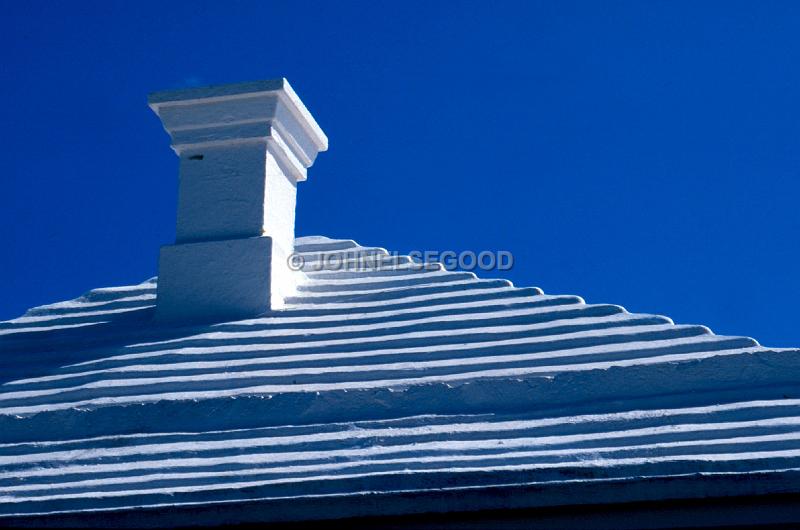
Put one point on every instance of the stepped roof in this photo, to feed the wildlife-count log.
(384, 388)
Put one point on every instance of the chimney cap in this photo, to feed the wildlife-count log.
(218, 93)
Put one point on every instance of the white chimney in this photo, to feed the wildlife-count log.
(242, 150)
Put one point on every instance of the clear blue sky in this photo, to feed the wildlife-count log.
(639, 153)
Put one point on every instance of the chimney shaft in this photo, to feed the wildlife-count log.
(242, 150)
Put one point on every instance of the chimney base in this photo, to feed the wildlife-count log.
(221, 280)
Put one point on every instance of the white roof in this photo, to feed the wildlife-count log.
(398, 382)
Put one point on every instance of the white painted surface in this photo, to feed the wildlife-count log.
(214, 280)
(387, 381)
(222, 196)
(242, 150)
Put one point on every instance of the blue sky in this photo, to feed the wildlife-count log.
(639, 153)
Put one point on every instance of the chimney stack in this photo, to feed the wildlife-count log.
(242, 149)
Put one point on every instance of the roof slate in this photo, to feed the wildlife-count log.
(382, 382)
